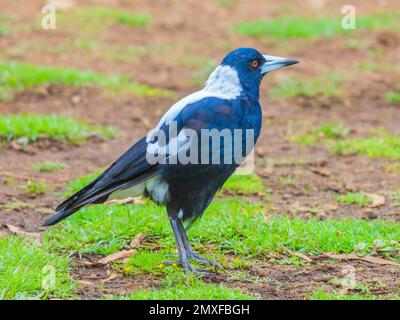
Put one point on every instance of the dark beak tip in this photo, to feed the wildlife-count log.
(292, 62)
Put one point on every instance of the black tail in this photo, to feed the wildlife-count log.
(60, 215)
(128, 170)
(71, 205)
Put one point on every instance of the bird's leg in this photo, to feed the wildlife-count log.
(181, 248)
(184, 261)
(187, 266)
(189, 250)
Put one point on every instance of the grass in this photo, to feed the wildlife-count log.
(332, 130)
(384, 146)
(25, 270)
(392, 97)
(392, 167)
(359, 198)
(77, 184)
(104, 229)
(48, 166)
(244, 184)
(323, 295)
(229, 226)
(5, 30)
(152, 262)
(226, 4)
(327, 86)
(97, 18)
(54, 127)
(18, 76)
(95, 48)
(180, 286)
(198, 291)
(148, 262)
(287, 181)
(16, 204)
(305, 28)
(394, 196)
(35, 189)
(372, 66)
(328, 131)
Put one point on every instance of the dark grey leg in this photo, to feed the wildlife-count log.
(189, 250)
(187, 266)
(182, 251)
(181, 248)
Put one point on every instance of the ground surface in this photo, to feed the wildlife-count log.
(176, 52)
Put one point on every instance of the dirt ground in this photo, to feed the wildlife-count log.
(201, 29)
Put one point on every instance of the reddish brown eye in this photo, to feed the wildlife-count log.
(254, 64)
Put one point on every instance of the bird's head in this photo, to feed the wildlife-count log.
(247, 67)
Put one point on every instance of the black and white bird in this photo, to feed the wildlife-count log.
(198, 143)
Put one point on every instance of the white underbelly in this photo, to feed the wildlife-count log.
(153, 187)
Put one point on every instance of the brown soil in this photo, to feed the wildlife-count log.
(201, 29)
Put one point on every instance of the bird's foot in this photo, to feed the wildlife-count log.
(200, 259)
(188, 267)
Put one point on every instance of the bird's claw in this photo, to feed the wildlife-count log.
(188, 267)
(200, 259)
(194, 256)
(172, 262)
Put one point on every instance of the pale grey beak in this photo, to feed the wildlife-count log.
(273, 63)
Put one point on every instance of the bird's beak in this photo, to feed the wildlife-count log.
(273, 63)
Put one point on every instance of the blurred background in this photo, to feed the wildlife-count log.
(77, 90)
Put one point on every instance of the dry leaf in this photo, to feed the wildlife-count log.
(110, 277)
(324, 172)
(137, 241)
(18, 231)
(2, 234)
(298, 254)
(117, 256)
(127, 201)
(86, 283)
(331, 207)
(89, 263)
(381, 261)
(377, 200)
(352, 256)
(303, 256)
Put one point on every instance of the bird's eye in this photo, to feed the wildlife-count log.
(254, 64)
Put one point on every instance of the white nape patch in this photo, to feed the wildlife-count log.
(223, 83)
(157, 190)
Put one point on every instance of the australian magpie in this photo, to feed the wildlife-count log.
(179, 163)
